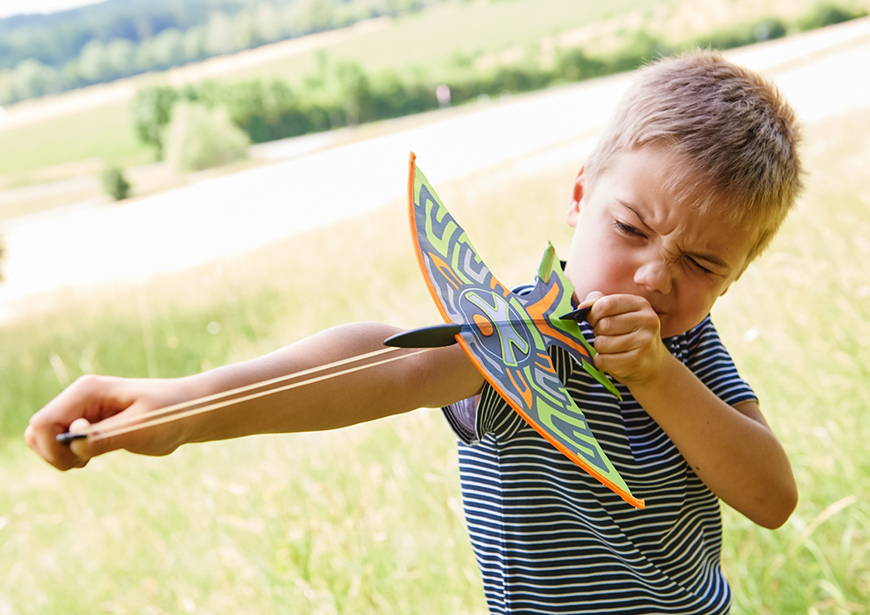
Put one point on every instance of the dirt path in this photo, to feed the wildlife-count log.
(819, 72)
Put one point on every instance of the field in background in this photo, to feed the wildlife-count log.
(368, 519)
(480, 33)
(433, 40)
(427, 40)
(90, 136)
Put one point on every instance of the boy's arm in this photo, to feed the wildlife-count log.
(731, 448)
(430, 379)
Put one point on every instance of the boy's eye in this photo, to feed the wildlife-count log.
(626, 229)
(697, 266)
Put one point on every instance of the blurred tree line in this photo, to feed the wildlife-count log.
(343, 93)
(42, 54)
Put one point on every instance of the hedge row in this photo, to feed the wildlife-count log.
(344, 94)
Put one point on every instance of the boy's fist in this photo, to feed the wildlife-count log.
(107, 401)
(627, 337)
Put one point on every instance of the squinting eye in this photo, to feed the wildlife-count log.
(698, 266)
(625, 229)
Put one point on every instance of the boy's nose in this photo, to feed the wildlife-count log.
(654, 274)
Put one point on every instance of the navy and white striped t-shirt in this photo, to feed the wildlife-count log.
(549, 538)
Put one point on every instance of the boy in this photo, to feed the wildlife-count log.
(689, 183)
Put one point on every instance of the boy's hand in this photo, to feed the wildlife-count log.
(627, 337)
(94, 399)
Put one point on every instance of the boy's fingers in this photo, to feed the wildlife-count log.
(590, 299)
(609, 306)
(626, 322)
(80, 448)
(616, 344)
(620, 324)
(93, 446)
(42, 440)
(88, 399)
(589, 302)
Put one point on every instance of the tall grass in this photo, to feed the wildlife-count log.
(799, 324)
(368, 519)
(363, 520)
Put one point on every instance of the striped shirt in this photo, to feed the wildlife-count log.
(549, 538)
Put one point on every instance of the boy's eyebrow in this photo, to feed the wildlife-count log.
(710, 258)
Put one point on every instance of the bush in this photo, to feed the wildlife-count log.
(115, 184)
(745, 34)
(199, 137)
(825, 14)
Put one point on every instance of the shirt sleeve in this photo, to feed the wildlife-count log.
(710, 361)
(473, 418)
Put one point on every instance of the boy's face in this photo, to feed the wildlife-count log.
(633, 236)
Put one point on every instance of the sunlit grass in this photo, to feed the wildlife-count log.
(799, 324)
(353, 521)
(368, 519)
(361, 520)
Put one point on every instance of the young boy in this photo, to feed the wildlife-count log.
(694, 175)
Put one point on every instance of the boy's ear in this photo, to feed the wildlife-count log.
(576, 198)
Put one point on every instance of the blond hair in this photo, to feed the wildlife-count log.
(740, 136)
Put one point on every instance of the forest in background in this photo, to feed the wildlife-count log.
(44, 54)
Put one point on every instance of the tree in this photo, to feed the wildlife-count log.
(194, 43)
(355, 92)
(94, 63)
(120, 57)
(152, 112)
(7, 86)
(315, 15)
(167, 49)
(244, 31)
(220, 34)
(267, 21)
(32, 78)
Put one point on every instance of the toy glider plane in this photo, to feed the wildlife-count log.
(506, 335)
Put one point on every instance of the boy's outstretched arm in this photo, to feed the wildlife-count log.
(430, 379)
(731, 448)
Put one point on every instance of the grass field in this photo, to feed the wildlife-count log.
(103, 133)
(368, 519)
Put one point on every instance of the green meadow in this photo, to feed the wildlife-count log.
(369, 519)
(103, 132)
